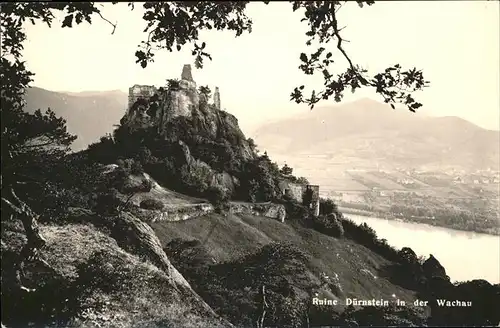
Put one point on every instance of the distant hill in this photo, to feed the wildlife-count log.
(370, 133)
(89, 115)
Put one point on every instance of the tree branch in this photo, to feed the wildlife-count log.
(336, 32)
(106, 20)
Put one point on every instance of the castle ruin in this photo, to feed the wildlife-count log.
(297, 192)
(186, 83)
(140, 91)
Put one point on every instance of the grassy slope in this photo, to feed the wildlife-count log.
(229, 237)
(119, 290)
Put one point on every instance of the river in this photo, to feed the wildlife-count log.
(465, 255)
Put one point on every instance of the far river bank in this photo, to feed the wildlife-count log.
(465, 255)
(419, 220)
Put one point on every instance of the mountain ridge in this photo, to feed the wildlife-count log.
(365, 129)
(89, 115)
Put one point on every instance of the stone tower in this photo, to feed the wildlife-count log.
(186, 73)
(217, 98)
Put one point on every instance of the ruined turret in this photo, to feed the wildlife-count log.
(187, 81)
(186, 73)
(217, 98)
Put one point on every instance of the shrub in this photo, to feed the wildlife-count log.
(327, 206)
(130, 188)
(295, 210)
(189, 255)
(136, 168)
(195, 178)
(144, 156)
(104, 151)
(219, 197)
(329, 225)
(107, 203)
(151, 204)
(302, 180)
(366, 236)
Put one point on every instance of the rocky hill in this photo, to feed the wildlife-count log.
(164, 108)
(373, 135)
(177, 126)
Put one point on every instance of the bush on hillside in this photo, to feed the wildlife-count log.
(328, 225)
(107, 203)
(188, 256)
(104, 151)
(131, 187)
(196, 178)
(136, 168)
(151, 204)
(327, 206)
(219, 197)
(130, 166)
(365, 235)
(259, 180)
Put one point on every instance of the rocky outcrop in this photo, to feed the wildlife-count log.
(432, 268)
(166, 107)
(269, 210)
(107, 272)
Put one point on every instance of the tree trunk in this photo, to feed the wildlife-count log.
(27, 217)
(260, 320)
(29, 220)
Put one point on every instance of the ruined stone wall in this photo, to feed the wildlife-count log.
(315, 198)
(268, 210)
(140, 91)
(296, 191)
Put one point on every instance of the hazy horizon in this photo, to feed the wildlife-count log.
(456, 44)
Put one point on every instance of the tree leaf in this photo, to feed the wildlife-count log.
(68, 21)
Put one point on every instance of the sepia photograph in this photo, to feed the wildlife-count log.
(250, 164)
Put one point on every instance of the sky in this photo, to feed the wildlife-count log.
(455, 43)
